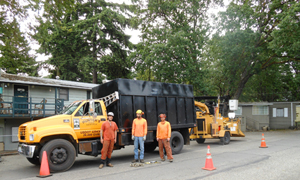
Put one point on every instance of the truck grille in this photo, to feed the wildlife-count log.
(22, 132)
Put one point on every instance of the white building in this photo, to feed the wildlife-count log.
(25, 98)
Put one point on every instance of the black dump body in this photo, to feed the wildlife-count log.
(153, 98)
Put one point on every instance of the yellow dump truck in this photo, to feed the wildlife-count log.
(213, 125)
(77, 129)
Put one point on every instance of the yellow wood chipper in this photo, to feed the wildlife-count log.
(211, 124)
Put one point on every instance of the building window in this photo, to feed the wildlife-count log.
(64, 94)
(260, 110)
(88, 94)
(280, 112)
(238, 111)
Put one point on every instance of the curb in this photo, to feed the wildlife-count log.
(8, 153)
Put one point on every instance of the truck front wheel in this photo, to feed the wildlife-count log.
(35, 160)
(176, 142)
(61, 154)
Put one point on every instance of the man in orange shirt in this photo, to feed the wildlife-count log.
(139, 132)
(109, 131)
(163, 135)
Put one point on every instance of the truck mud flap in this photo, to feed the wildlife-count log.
(94, 148)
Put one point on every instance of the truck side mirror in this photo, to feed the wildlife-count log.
(94, 115)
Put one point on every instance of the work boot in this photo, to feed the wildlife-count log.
(163, 159)
(142, 161)
(170, 160)
(108, 163)
(135, 160)
(101, 163)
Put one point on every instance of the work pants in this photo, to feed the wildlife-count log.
(108, 146)
(138, 141)
(164, 143)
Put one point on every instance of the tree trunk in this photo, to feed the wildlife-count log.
(94, 76)
(241, 86)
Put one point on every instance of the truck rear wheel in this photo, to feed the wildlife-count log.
(226, 138)
(150, 147)
(176, 142)
(200, 140)
(35, 160)
(61, 155)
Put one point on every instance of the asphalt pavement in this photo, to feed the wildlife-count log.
(241, 159)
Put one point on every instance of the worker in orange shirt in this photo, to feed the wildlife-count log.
(139, 132)
(163, 135)
(108, 135)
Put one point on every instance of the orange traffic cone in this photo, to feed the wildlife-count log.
(44, 170)
(263, 142)
(209, 163)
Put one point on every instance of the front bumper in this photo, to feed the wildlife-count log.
(26, 150)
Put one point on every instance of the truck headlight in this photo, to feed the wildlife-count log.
(31, 137)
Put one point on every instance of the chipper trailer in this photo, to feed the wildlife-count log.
(211, 124)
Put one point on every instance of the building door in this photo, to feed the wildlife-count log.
(20, 98)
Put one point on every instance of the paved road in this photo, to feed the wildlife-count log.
(241, 159)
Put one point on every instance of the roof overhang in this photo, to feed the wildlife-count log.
(28, 80)
(256, 104)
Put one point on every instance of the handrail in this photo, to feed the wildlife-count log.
(9, 107)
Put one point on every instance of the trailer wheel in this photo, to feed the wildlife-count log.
(200, 140)
(226, 138)
(176, 142)
(150, 147)
(61, 155)
(35, 160)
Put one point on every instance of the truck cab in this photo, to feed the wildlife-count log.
(75, 131)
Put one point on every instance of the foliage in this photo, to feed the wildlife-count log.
(14, 48)
(258, 35)
(173, 36)
(277, 83)
(86, 40)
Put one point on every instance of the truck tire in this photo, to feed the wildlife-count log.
(150, 147)
(226, 138)
(176, 142)
(200, 140)
(61, 155)
(35, 160)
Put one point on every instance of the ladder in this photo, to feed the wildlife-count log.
(108, 100)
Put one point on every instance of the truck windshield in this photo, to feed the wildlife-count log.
(71, 108)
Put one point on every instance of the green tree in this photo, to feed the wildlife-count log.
(86, 40)
(173, 38)
(277, 83)
(14, 48)
(258, 35)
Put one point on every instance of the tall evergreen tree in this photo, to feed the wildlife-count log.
(14, 48)
(87, 40)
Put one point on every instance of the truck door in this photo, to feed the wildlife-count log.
(85, 124)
